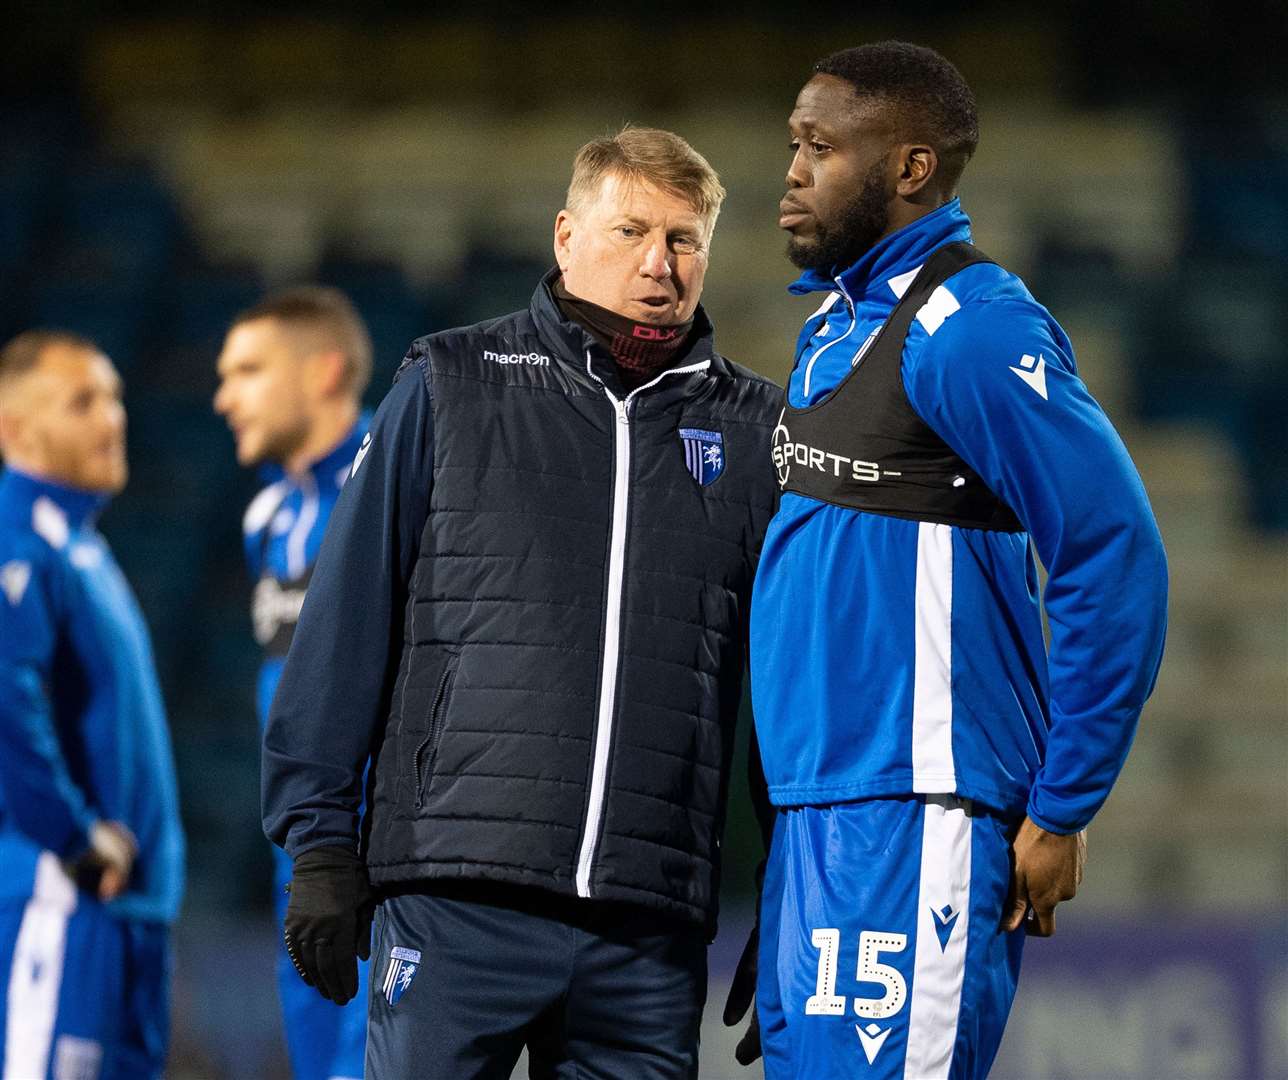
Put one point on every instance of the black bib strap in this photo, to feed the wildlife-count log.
(864, 447)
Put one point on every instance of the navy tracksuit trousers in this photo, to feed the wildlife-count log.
(464, 978)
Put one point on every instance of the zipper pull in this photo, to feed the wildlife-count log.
(622, 417)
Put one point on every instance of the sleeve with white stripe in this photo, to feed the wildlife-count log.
(997, 381)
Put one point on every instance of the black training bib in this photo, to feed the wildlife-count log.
(864, 446)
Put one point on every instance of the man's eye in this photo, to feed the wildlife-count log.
(819, 148)
(628, 231)
(794, 145)
(684, 243)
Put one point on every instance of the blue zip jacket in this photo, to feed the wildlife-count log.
(892, 657)
(83, 731)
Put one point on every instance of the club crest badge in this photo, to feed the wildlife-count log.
(403, 965)
(703, 454)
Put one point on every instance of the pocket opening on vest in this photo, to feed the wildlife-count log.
(423, 760)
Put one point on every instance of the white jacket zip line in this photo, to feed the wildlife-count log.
(854, 321)
(612, 618)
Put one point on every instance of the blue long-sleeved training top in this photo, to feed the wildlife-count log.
(282, 531)
(892, 657)
(83, 732)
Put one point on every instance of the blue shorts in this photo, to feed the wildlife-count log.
(325, 1041)
(881, 953)
(85, 994)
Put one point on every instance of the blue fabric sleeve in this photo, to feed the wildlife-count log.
(329, 710)
(1061, 466)
(36, 789)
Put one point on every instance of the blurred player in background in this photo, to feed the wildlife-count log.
(291, 376)
(91, 847)
(932, 767)
(529, 615)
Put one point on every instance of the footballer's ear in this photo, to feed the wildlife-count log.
(15, 426)
(328, 372)
(564, 228)
(9, 423)
(916, 164)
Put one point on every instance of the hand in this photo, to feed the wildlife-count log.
(1046, 869)
(742, 995)
(742, 991)
(328, 920)
(105, 866)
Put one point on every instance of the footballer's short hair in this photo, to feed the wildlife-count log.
(325, 319)
(22, 353)
(930, 100)
(659, 157)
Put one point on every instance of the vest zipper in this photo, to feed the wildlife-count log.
(613, 612)
(612, 644)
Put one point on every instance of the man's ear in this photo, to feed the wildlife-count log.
(328, 371)
(563, 238)
(917, 165)
(10, 431)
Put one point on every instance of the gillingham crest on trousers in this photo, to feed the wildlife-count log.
(703, 454)
(403, 965)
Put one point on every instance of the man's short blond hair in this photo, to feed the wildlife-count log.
(23, 353)
(659, 157)
(327, 319)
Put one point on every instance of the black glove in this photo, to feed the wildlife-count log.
(742, 991)
(328, 920)
(742, 994)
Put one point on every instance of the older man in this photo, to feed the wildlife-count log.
(529, 614)
(90, 841)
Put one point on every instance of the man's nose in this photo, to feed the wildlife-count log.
(797, 173)
(656, 262)
(112, 416)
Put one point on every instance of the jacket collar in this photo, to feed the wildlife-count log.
(572, 342)
(895, 254)
(79, 507)
(327, 467)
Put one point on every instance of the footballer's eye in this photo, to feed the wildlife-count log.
(794, 145)
(684, 243)
(628, 231)
(818, 147)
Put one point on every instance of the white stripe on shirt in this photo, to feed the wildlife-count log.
(933, 769)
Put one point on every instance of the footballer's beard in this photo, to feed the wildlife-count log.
(277, 445)
(863, 221)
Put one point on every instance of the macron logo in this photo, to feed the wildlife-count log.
(1033, 372)
(872, 1038)
(532, 359)
(945, 920)
(363, 450)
